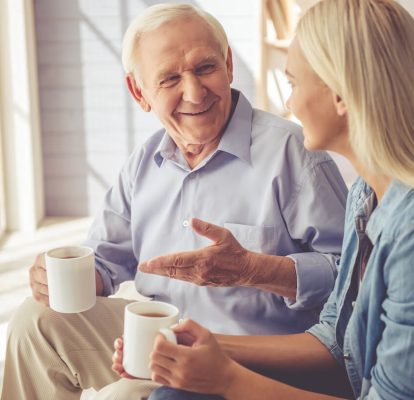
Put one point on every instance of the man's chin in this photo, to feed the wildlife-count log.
(200, 134)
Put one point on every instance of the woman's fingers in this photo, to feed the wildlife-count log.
(158, 360)
(159, 379)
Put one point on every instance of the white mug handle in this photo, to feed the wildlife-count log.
(169, 335)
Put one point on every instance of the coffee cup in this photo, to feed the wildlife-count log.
(71, 278)
(143, 322)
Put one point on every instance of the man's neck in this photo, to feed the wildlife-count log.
(194, 154)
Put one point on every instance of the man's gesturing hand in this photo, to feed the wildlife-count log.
(224, 263)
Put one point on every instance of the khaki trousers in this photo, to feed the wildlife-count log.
(54, 356)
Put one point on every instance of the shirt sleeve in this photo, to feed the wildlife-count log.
(392, 373)
(110, 235)
(324, 331)
(315, 220)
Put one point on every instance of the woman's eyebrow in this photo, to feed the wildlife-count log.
(288, 73)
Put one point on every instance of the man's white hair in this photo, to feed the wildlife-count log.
(155, 16)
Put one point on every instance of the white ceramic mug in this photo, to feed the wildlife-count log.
(143, 322)
(71, 279)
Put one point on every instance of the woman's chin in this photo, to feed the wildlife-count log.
(311, 146)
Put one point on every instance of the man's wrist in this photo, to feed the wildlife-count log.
(248, 269)
(276, 274)
(257, 267)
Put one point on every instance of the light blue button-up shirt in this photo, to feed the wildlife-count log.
(373, 337)
(261, 184)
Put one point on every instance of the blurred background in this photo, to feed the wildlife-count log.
(67, 122)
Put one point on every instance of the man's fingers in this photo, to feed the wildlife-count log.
(164, 263)
(117, 358)
(182, 273)
(38, 275)
(41, 275)
(150, 269)
(119, 344)
(117, 368)
(41, 288)
(213, 232)
(41, 298)
(40, 260)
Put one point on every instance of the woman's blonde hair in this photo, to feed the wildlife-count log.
(364, 51)
(155, 16)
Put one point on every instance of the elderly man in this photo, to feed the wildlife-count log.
(217, 159)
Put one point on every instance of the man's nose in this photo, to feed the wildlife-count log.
(193, 90)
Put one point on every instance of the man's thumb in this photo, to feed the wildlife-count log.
(210, 231)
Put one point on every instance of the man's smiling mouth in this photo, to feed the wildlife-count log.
(194, 114)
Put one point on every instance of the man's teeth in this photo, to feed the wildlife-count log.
(200, 112)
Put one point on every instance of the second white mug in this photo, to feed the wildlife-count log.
(143, 322)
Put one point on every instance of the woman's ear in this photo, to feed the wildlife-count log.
(340, 106)
(136, 92)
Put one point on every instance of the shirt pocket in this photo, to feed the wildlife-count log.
(254, 238)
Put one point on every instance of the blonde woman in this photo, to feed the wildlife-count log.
(351, 66)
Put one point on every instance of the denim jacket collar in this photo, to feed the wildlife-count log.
(385, 209)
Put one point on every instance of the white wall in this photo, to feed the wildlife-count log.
(89, 121)
(20, 131)
(408, 4)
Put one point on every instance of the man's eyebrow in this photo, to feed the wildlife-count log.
(207, 59)
(165, 73)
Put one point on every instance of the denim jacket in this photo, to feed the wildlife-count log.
(370, 331)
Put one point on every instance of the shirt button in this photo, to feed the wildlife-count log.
(353, 304)
(347, 356)
(186, 223)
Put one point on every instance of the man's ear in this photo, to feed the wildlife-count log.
(340, 106)
(229, 64)
(136, 92)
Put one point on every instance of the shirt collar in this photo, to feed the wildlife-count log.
(165, 150)
(236, 138)
(390, 204)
